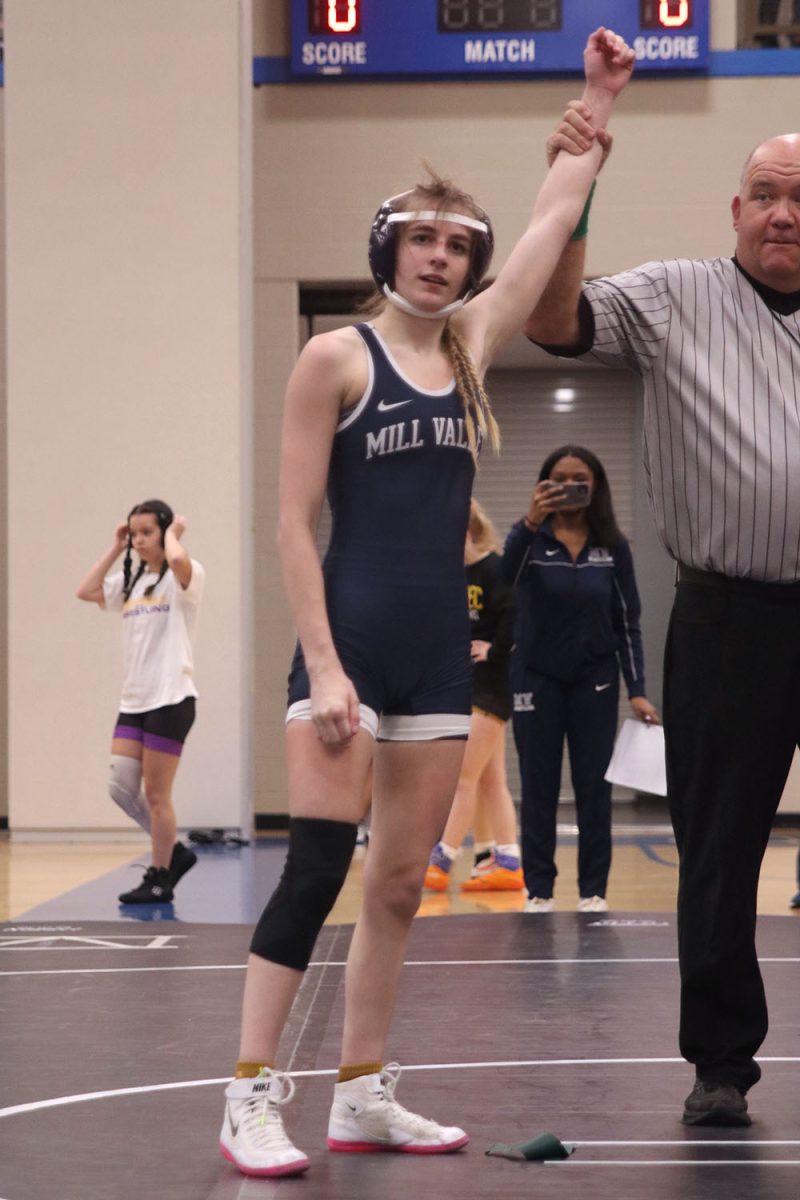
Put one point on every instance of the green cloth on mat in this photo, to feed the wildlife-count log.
(538, 1149)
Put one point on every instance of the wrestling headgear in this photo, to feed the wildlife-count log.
(383, 248)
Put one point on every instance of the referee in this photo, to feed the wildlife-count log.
(716, 343)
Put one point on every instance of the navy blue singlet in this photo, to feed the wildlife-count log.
(399, 486)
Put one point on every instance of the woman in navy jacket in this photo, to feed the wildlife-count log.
(577, 625)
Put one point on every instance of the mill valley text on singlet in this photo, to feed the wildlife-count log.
(400, 477)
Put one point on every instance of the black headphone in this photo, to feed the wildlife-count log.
(162, 512)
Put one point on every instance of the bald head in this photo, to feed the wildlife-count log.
(766, 213)
(783, 145)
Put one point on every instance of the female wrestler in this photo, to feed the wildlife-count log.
(389, 415)
(159, 606)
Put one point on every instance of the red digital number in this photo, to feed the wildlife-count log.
(326, 17)
(673, 13)
(343, 16)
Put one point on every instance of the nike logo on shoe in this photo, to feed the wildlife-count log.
(601, 687)
(384, 407)
(233, 1124)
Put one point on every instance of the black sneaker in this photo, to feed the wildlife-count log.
(183, 859)
(155, 888)
(711, 1103)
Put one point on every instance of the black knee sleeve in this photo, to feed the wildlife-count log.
(316, 867)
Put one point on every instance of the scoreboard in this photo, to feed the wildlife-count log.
(480, 38)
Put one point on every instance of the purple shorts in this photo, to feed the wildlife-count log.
(163, 729)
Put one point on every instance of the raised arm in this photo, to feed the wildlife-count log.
(313, 403)
(177, 558)
(554, 320)
(91, 586)
(498, 312)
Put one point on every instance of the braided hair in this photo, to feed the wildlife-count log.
(164, 517)
(479, 420)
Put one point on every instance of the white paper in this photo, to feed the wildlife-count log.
(638, 760)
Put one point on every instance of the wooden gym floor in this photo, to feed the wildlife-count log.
(83, 878)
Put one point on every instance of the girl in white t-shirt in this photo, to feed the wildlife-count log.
(159, 603)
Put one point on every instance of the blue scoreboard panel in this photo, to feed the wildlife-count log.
(480, 38)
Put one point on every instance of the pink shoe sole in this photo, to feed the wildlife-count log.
(295, 1168)
(371, 1147)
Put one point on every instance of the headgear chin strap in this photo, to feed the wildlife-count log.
(383, 250)
(398, 301)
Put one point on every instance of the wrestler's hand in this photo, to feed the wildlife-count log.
(178, 526)
(608, 61)
(121, 535)
(334, 706)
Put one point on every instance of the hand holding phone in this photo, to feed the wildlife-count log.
(574, 495)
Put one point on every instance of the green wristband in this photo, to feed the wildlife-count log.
(582, 228)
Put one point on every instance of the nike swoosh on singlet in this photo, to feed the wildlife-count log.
(384, 407)
(601, 687)
(550, 552)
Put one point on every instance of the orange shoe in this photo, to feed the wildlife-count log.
(499, 879)
(436, 880)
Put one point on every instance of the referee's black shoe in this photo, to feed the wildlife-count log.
(183, 859)
(712, 1103)
(155, 888)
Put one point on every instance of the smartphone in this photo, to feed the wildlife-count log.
(576, 495)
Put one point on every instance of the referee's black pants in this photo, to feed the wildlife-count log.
(732, 721)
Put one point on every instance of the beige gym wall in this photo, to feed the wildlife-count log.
(323, 157)
(128, 169)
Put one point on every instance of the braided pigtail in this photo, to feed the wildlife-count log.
(131, 584)
(126, 570)
(164, 517)
(478, 416)
(148, 591)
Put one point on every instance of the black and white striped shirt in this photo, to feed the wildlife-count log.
(720, 369)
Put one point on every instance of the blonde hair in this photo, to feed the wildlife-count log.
(445, 196)
(482, 529)
(479, 420)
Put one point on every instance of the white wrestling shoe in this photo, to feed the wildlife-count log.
(592, 904)
(365, 1116)
(539, 904)
(253, 1137)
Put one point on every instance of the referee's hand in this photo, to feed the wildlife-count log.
(575, 134)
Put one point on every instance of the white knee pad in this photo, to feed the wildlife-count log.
(125, 789)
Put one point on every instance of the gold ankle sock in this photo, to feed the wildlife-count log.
(348, 1073)
(249, 1070)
